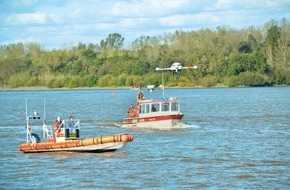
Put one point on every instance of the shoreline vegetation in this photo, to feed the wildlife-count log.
(225, 56)
(40, 88)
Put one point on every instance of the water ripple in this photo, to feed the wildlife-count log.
(229, 139)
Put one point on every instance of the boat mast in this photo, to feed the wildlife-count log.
(27, 130)
(163, 93)
(26, 107)
(44, 114)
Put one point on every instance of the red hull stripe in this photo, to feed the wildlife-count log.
(151, 119)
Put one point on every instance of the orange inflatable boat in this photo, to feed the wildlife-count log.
(98, 144)
(66, 138)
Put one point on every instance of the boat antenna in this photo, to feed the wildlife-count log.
(26, 119)
(163, 91)
(162, 84)
(44, 114)
(26, 107)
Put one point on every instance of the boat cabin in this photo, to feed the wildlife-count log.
(155, 107)
(151, 106)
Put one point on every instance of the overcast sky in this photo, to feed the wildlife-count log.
(63, 23)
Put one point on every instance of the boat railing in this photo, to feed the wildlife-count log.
(47, 131)
(30, 136)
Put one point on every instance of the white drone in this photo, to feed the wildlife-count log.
(175, 67)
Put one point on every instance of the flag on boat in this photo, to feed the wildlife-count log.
(114, 93)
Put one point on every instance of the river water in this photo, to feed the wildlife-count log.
(230, 138)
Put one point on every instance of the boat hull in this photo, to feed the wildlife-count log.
(158, 122)
(99, 144)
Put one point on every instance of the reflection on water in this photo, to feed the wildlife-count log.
(228, 139)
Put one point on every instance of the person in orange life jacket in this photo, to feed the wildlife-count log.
(57, 124)
(131, 111)
(130, 108)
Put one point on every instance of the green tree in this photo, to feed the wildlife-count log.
(224, 55)
(270, 45)
(113, 41)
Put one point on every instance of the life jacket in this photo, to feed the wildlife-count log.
(56, 125)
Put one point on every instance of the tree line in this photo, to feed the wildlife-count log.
(250, 56)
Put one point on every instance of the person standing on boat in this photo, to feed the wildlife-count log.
(130, 108)
(57, 124)
(131, 111)
(140, 96)
(71, 123)
(70, 128)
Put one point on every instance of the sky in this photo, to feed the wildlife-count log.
(56, 24)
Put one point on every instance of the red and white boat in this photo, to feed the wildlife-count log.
(156, 114)
(66, 139)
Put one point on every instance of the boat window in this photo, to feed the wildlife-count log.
(147, 108)
(144, 108)
(154, 107)
(165, 106)
(174, 106)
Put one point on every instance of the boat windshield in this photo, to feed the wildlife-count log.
(155, 107)
(174, 106)
(151, 107)
(165, 107)
(144, 108)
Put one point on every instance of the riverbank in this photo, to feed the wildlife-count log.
(40, 88)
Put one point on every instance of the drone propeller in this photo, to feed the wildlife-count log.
(193, 67)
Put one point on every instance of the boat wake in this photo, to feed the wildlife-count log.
(181, 125)
(109, 124)
(178, 126)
